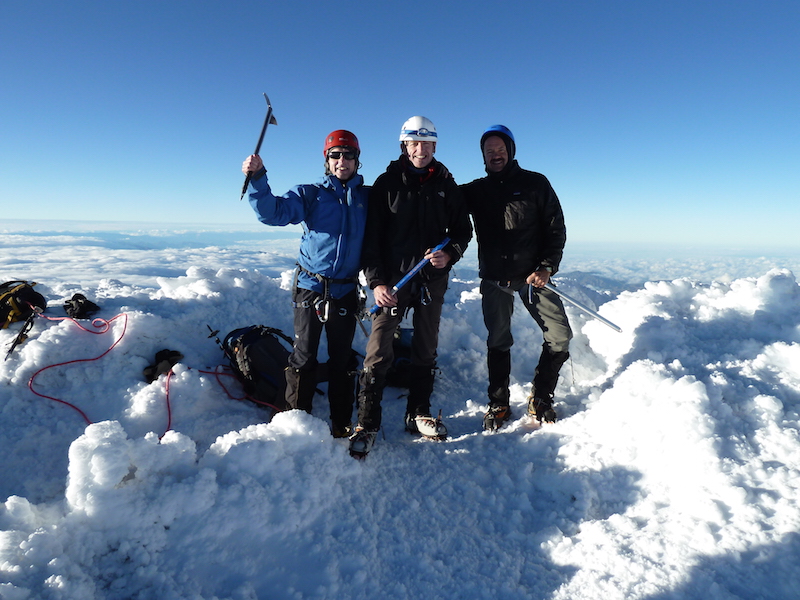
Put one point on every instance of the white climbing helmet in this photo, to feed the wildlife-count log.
(418, 129)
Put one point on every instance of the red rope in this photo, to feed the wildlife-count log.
(247, 396)
(103, 326)
(217, 376)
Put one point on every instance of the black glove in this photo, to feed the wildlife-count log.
(79, 307)
(165, 360)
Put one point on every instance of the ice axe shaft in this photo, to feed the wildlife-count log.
(583, 307)
(268, 120)
(22, 335)
(414, 270)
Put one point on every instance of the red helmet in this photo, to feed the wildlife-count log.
(340, 137)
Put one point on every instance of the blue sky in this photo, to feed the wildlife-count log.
(655, 121)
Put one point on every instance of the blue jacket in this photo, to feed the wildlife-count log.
(333, 215)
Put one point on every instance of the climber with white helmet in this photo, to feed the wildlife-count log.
(413, 207)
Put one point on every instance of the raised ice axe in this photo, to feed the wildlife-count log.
(269, 120)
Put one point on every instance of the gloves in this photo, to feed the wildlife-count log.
(78, 307)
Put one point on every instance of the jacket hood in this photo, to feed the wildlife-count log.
(511, 167)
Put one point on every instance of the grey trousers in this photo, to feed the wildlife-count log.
(544, 306)
(547, 310)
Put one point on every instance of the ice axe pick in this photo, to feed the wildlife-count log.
(268, 120)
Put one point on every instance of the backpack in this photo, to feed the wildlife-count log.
(18, 302)
(258, 358)
(399, 373)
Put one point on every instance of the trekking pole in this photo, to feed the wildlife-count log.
(270, 119)
(582, 306)
(414, 270)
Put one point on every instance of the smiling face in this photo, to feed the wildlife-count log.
(342, 162)
(495, 154)
(420, 154)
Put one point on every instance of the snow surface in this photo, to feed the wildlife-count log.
(672, 473)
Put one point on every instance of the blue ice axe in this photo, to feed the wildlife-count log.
(414, 270)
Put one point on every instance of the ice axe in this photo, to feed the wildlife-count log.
(582, 306)
(23, 333)
(414, 270)
(268, 120)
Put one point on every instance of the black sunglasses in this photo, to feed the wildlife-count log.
(336, 154)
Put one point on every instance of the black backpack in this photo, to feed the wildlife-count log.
(259, 358)
(18, 302)
(399, 373)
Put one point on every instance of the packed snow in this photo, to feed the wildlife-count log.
(673, 471)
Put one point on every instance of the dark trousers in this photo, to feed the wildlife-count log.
(548, 311)
(301, 375)
(380, 353)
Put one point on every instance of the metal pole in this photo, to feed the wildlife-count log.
(583, 307)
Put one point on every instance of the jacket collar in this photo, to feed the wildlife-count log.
(334, 183)
(403, 167)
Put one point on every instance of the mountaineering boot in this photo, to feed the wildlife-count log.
(339, 431)
(426, 426)
(361, 442)
(420, 389)
(370, 395)
(495, 417)
(499, 365)
(542, 409)
(300, 388)
(341, 396)
(540, 400)
(546, 377)
(369, 413)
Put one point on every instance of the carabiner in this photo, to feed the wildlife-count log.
(424, 296)
(323, 309)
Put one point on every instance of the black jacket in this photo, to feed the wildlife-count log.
(409, 213)
(518, 223)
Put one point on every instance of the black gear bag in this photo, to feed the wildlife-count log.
(259, 359)
(400, 372)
